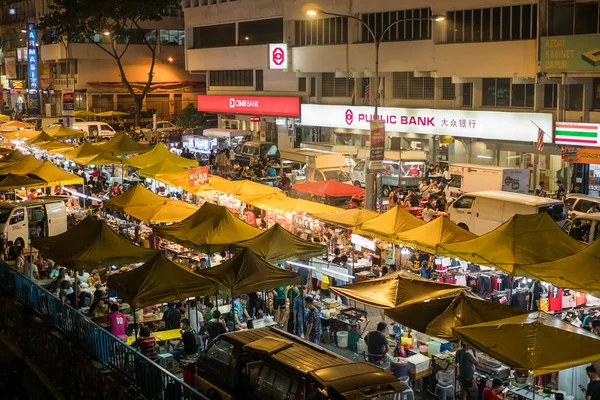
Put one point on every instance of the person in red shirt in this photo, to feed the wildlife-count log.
(492, 393)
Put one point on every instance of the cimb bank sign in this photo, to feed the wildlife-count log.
(494, 125)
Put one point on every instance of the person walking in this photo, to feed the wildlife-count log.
(467, 361)
(313, 321)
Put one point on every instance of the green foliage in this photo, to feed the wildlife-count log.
(190, 117)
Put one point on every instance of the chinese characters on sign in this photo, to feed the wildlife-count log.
(32, 61)
(461, 123)
(197, 176)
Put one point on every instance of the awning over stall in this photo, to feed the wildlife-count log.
(329, 188)
(165, 166)
(12, 181)
(122, 144)
(438, 231)
(390, 224)
(25, 166)
(157, 154)
(241, 188)
(348, 218)
(56, 176)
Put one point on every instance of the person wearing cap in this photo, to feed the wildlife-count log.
(377, 344)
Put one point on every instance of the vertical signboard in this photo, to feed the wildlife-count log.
(377, 145)
(68, 102)
(32, 59)
(197, 176)
(278, 56)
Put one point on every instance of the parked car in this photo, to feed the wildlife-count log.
(585, 228)
(247, 151)
(581, 204)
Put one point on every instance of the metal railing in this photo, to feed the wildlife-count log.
(149, 378)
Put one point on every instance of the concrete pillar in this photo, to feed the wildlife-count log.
(538, 97)
(588, 98)
(477, 93)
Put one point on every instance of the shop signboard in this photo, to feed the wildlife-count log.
(493, 125)
(362, 242)
(278, 56)
(377, 145)
(10, 65)
(197, 176)
(583, 155)
(577, 134)
(578, 53)
(252, 105)
(68, 102)
(32, 59)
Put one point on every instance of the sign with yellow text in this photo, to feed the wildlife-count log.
(583, 155)
(570, 53)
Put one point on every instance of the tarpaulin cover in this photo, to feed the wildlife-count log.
(55, 147)
(212, 228)
(522, 240)
(165, 166)
(157, 154)
(348, 218)
(14, 156)
(122, 144)
(21, 134)
(279, 202)
(112, 113)
(83, 113)
(538, 341)
(61, 131)
(91, 244)
(25, 166)
(389, 224)
(17, 125)
(247, 272)
(43, 137)
(99, 159)
(56, 176)
(396, 289)
(438, 317)
(12, 181)
(86, 149)
(577, 272)
(329, 188)
(438, 231)
(159, 280)
(277, 245)
(147, 206)
(241, 188)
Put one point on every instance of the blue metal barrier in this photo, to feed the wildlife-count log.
(149, 378)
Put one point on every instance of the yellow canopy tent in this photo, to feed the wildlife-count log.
(99, 159)
(389, 224)
(439, 316)
(277, 245)
(247, 272)
(61, 131)
(137, 195)
(12, 181)
(438, 231)
(42, 137)
(86, 149)
(577, 272)
(122, 144)
(537, 341)
(21, 134)
(4, 117)
(16, 125)
(515, 243)
(211, 228)
(25, 166)
(158, 153)
(348, 218)
(243, 187)
(83, 113)
(165, 166)
(112, 113)
(180, 180)
(397, 289)
(14, 156)
(91, 244)
(159, 280)
(56, 176)
(279, 202)
(55, 147)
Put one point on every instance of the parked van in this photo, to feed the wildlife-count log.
(97, 130)
(585, 227)
(49, 122)
(319, 165)
(482, 212)
(41, 217)
(468, 178)
(254, 151)
(270, 364)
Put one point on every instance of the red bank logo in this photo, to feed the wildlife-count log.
(278, 56)
(349, 117)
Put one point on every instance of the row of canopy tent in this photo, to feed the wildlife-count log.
(28, 171)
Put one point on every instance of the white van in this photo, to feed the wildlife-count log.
(319, 165)
(41, 217)
(482, 212)
(95, 129)
(475, 178)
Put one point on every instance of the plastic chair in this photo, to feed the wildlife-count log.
(166, 361)
(442, 390)
(405, 379)
(407, 394)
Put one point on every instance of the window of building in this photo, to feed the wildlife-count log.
(313, 86)
(522, 95)
(448, 89)
(550, 95)
(322, 31)
(232, 78)
(467, 94)
(406, 86)
(259, 80)
(574, 97)
(262, 31)
(302, 85)
(496, 92)
(492, 24)
(573, 17)
(214, 36)
(173, 37)
(335, 87)
(404, 25)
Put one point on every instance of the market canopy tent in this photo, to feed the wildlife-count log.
(91, 244)
(348, 218)
(83, 113)
(112, 113)
(577, 272)
(86, 149)
(16, 155)
(4, 117)
(25, 166)
(99, 159)
(181, 180)
(61, 131)
(212, 228)
(389, 224)
(55, 147)
(522, 240)
(56, 176)
(159, 280)
(122, 144)
(247, 272)
(241, 188)
(537, 341)
(16, 125)
(279, 202)
(397, 289)
(158, 153)
(12, 181)
(439, 316)
(20, 134)
(165, 166)
(329, 188)
(42, 137)
(277, 245)
(438, 231)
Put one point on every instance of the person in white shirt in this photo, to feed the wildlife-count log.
(195, 316)
(446, 175)
(30, 270)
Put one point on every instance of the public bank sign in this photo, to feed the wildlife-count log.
(579, 53)
(494, 125)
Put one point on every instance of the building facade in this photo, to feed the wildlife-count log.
(485, 56)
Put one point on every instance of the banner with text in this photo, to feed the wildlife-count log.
(570, 53)
(377, 145)
(68, 102)
(197, 176)
(583, 155)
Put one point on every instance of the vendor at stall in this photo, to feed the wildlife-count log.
(492, 393)
(467, 361)
(377, 345)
